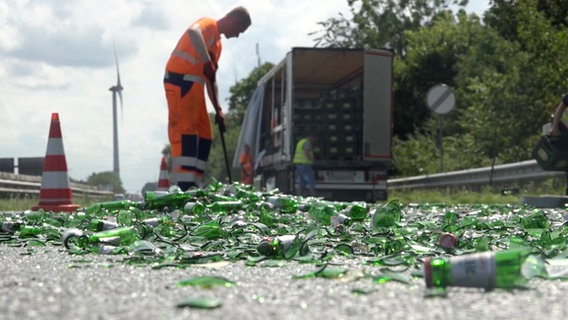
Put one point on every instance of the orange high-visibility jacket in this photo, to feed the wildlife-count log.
(185, 60)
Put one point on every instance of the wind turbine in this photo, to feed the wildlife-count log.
(117, 88)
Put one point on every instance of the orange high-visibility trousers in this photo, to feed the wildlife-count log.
(189, 129)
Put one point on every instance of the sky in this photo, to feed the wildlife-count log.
(57, 57)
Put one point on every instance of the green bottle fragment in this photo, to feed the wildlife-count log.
(502, 269)
(207, 282)
(146, 227)
(123, 236)
(194, 208)
(357, 212)
(275, 246)
(214, 187)
(215, 197)
(284, 246)
(97, 225)
(210, 230)
(388, 215)
(304, 206)
(224, 207)
(200, 303)
(74, 238)
(152, 222)
(110, 206)
(11, 226)
(340, 222)
(126, 217)
(536, 220)
(247, 195)
(143, 247)
(127, 235)
(323, 212)
(173, 200)
(266, 217)
(33, 217)
(165, 226)
(286, 204)
(29, 231)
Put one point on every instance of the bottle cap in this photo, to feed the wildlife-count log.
(448, 240)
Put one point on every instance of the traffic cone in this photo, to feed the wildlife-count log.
(163, 182)
(55, 193)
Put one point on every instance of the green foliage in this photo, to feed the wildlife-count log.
(485, 196)
(238, 102)
(106, 179)
(415, 156)
(453, 198)
(507, 73)
(242, 91)
(507, 81)
(433, 56)
(26, 203)
(216, 167)
(381, 23)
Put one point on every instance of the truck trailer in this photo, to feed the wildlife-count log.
(342, 96)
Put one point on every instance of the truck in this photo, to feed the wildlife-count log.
(343, 96)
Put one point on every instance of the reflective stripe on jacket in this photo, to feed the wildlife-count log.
(185, 59)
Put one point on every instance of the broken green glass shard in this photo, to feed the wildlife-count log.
(206, 282)
(200, 303)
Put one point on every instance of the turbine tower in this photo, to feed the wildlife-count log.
(116, 89)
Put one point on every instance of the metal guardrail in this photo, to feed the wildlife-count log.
(25, 185)
(524, 171)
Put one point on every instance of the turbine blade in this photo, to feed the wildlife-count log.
(118, 84)
(117, 69)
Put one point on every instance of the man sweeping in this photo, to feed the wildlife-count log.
(191, 68)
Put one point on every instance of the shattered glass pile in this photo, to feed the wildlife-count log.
(233, 222)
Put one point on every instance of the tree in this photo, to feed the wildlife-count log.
(241, 93)
(524, 90)
(507, 74)
(453, 50)
(381, 23)
(106, 180)
(504, 84)
(503, 15)
(388, 23)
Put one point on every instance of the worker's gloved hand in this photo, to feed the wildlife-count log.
(209, 71)
(220, 120)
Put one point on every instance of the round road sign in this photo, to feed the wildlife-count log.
(441, 99)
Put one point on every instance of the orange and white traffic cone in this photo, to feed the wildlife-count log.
(55, 193)
(163, 182)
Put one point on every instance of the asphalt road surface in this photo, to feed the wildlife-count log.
(49, 283)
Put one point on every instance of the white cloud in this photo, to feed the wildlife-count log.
(57, 56)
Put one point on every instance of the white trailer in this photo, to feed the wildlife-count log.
(345, 97)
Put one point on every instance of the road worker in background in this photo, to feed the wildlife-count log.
(303, 162)
(190, 69)
(247, 166)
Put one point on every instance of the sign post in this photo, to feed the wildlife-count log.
(440, 100)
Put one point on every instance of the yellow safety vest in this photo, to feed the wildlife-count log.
(299, 156)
